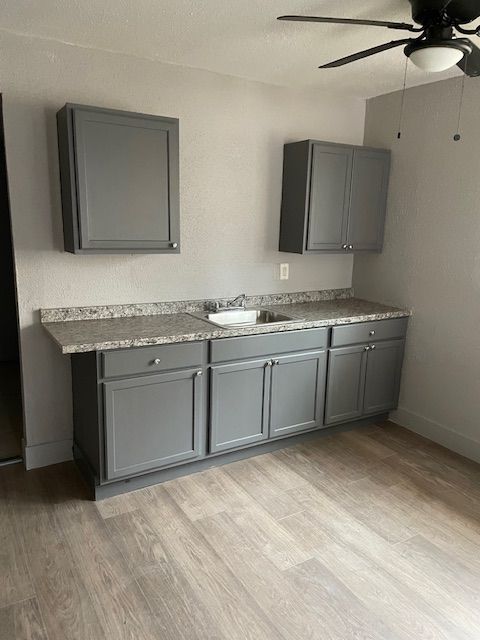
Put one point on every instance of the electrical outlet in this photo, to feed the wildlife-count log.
(284, 271)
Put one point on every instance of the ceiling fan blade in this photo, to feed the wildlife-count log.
(470, 64)
(464, 11)
(366, 53)
(371, 23)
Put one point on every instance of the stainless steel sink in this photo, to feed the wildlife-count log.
(244, 317)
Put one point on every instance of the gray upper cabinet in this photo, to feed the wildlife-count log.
(297, 393)
(120, 181)
(368, 199)
(239, 404)
(331, 176)
(152, 421)
(333, 197)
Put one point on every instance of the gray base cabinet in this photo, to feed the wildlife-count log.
(363, 380)
(297, 393)
(150, 410)
(239, 404)
(334, 197)
(346, 384)
(382, 383)
(152, 421)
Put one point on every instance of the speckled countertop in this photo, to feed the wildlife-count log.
(78, 336)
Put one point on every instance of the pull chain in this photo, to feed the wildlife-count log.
(400, 119)
(457, 136)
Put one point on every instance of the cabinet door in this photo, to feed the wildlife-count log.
(368, 200)
(126, 182)
(239, 398)
(384, 365)
(297, 393)
(345, 384)
(330, 182)
(152, 421)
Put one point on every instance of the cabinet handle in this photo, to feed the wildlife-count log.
(276, 362)
(199, 373)
(350, 247)
(174, 245)
(373, 346)
(367, 348)
(156, 361)
(372, 332)
(269, 363)
(345, 247)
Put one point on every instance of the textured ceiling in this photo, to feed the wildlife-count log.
(240, 38)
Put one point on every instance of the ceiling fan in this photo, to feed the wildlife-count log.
(437, 46)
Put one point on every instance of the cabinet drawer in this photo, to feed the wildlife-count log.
(267, 344)
(151, 359)
(369, 331)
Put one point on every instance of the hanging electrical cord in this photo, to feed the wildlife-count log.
(457, 136)
(402, 103)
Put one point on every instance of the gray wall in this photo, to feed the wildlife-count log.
(231, 137)
(431, 258)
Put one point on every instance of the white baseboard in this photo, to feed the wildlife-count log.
(438, 433)
(41, 455)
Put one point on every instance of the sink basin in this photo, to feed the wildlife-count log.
(244, 317)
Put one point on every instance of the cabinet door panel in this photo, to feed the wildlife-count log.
(330, 182)
(345, 384)
(151, 422)
(239, 395)
(298, 393)
(384, 365)
(124, 194)
(368, 199)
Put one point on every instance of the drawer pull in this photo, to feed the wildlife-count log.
(157, 361)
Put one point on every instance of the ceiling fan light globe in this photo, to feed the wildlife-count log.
(436, 58)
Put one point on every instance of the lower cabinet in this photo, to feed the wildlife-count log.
(297, 393)
(363, 380)
(239, 404)
(255, 400)
(152, 421)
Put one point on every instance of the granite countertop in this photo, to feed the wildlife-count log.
(78, 336)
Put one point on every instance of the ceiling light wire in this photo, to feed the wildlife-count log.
(402, 103)
(457, 136)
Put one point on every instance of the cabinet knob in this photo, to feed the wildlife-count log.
(199, 373)
(276, 362)
(372, 332)
(269, 363)
(174, 245)
(373, 346)
(345, 246)
(156, 361)
(367, 348)
(350, 247)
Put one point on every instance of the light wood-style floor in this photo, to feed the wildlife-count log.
(368, 535)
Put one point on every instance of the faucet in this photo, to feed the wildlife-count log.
(237, 303)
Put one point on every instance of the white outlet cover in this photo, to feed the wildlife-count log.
(284, 271)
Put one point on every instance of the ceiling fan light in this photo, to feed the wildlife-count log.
(436, 58)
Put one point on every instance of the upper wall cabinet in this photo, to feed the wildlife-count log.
(334, 197)
(119, 177)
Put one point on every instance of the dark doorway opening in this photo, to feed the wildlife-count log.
(11, 421)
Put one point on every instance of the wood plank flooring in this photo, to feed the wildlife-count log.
(372, 534)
